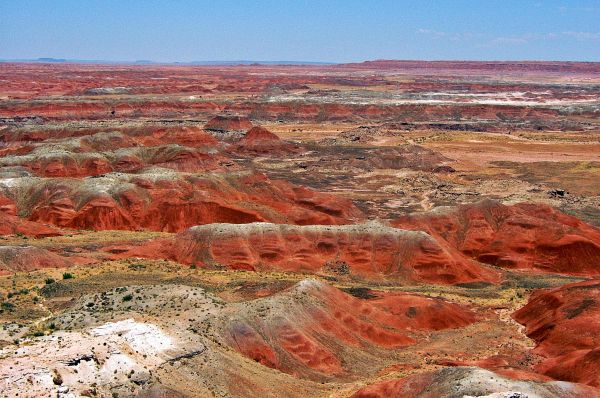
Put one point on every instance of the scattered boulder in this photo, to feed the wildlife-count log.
(557, 193)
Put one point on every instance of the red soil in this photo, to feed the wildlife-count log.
(10, 224)
(13, 225)
(523, 236)
(74, 91)
(82, 165)
(301, 111)
(259, 134)
(413, 312)
(127, 150)
(305, 328)
(172, 203)
(565, 322)
(80, 80)
(250, 343)
(228, 123)
(122, 137)
(367, 251)
(29, 258)
(260, 141)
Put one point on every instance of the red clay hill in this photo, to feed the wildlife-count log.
(228, 127)
(162, 200)
(369, 251)
(61, 163)
(565, 323)
(316, 331)
(228, 123)
(27, 258)
(90, 152)
(97, 138)
(525, 236)
(260, 141)
(11, 224)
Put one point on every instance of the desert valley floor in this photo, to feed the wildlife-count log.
(379, 229)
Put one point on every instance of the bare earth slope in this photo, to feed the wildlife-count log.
(377, 229)
(565, 323)
(364, 251)
(522, 236)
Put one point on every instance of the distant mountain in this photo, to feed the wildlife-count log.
(245, 62)
(148, 62)
(51, 60)
(480, 66)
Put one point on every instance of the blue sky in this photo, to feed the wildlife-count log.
(300, 30)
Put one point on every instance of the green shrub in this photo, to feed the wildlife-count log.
(128, 297)
(49, 281)
(67, 275)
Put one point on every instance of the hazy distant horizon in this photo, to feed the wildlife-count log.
(266, 62)
(335, 31)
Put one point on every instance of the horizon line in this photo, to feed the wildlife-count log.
(52, 60)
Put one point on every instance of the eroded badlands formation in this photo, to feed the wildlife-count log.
(382, 229)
